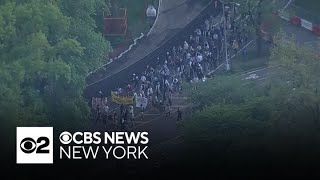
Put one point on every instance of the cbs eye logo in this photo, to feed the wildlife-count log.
(34, 145)
(29, 145)
(65, 137)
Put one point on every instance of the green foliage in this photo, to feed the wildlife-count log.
(285, 106)
(220, 90)
(298, 78)
(225, 109)
(46, 50)
(226, 122)
(261, 18)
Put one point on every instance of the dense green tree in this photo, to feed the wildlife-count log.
(229, 110)
(262, 21)
(47, 48)
(297, 69)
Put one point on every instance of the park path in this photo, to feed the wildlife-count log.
(165, 27)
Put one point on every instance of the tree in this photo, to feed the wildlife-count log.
(223, 89)
(224, 105)
(297, 77)
(47, 48)
(282, 112)
(259, 13)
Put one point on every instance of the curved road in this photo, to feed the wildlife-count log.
(174, 30)
(164, 28)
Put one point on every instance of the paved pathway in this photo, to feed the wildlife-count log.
(173, 16)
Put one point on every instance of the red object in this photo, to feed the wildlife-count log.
(295, 20)
(316, 29)
(116, 25)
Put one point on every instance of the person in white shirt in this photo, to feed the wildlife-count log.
(199, 48)
(215, 36)
(206, 45)
(175, 83)
(143, 78)
(106, 109)
(150, 91)
(188, 56)
(105, 100)
(198, 32)
(191, 49)
(166, 82)
(142, 94)
(199, 57)
(207, 22)
(186, 45)
(158, 89)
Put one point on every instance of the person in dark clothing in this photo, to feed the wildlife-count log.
(98, 113)
(142, 111)
(124, 120)
(126, 114)
(110, 118)
(170, 102)
(168, 110)
(121, 109)
(161, 106)
(115, 117)
(179, 114)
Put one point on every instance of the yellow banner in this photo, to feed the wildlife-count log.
(121, 99)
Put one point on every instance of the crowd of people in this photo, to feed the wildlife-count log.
(189, 61)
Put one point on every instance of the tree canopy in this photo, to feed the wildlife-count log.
(262, 114)
(47, 49)
(261, 17)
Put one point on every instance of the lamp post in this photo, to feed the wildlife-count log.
(151, 14)
(151, 11)
(225, 31)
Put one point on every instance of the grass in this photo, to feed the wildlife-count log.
(251, 61)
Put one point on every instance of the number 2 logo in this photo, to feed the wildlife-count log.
(29, 145)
